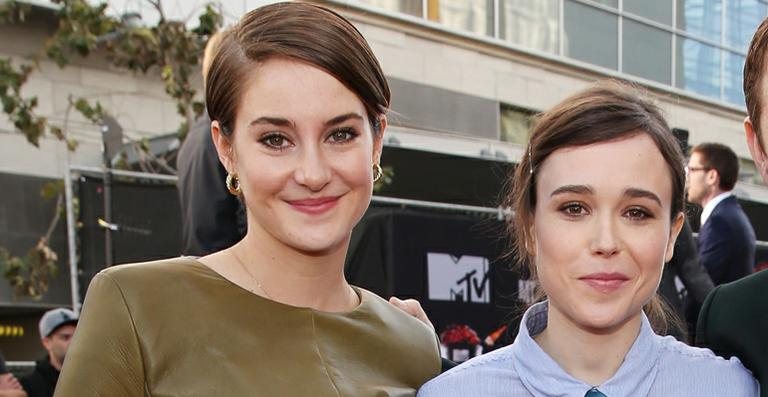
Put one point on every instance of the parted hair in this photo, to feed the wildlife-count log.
(301, 32)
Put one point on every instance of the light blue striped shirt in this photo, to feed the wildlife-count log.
(654, 366)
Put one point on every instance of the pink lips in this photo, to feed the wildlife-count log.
(605, 282)
(314, 206)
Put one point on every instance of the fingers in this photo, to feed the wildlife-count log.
(412, 307)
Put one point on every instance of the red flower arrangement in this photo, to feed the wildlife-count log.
(459, 334)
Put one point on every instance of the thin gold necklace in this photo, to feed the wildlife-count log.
(253, 278)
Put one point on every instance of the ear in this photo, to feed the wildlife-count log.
(46, 342)
(674, 231)
(224, 147)
(755, 149)
(378, 140)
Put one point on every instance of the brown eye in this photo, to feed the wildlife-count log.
(274, 141)
(342, 135)
(573, 209)
(637, 213)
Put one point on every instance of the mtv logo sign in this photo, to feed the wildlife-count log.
(463, 279)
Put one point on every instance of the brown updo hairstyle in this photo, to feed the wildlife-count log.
(301, 32)
(607, 111)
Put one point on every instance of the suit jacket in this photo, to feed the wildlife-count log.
(734, 322)
(727, 243)
(212, 218)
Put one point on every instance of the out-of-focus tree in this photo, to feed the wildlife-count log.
(169, 49)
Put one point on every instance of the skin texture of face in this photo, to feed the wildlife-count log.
(57, 344)
(602, 231)
(699, 182)
(303, 150)
(755, 149)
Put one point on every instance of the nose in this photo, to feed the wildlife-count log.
(313, 170)
(605, 241)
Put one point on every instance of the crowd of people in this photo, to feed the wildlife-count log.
(281, 169)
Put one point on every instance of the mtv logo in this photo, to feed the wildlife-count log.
(463, 279)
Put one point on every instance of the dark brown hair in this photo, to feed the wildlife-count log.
(297, 31)
(754, 68)
(608, 111)
(722, 159)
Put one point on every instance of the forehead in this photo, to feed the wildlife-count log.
(696, 158)
(609, 167)
(68, 329)
(284, 87)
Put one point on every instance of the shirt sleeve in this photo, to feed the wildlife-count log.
(104, 358)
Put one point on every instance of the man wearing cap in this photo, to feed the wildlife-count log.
(56, 329)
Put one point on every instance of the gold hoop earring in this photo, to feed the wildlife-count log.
(233, 184)
(377, 172)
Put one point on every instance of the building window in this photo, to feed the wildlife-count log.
(515, 124)
(733, 76)
(656, 10)
(698, 67)
(742, 19)
(530, 24)
(694, 45)
(591, 35)
(474, 16)
(647, 52)
(409, 7)
(700, 18)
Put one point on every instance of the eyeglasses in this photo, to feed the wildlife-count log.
(688, 170)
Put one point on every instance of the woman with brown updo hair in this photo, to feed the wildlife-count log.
(598, 203)
(298, 106)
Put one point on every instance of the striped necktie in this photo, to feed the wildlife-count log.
(593, 392)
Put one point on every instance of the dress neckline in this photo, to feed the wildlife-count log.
(362, 296)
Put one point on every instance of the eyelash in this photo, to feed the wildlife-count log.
(265, 140)
(568, 207)
(643, 213)
(633, 213)
(349, 134)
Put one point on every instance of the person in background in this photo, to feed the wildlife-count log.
(598, 201)
(9, 385)
(212, 219)
(298, 102)
(726, 239)
(57, 327)
(733, 319)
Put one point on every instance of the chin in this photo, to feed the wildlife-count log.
(603, 319)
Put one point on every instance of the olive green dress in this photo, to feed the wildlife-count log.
(177, 328)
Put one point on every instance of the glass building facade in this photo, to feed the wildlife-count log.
(695, 45)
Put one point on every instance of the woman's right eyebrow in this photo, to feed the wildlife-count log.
(578, 189)
(278, 121)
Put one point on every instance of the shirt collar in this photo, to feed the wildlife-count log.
(707, 210)
(542, 376)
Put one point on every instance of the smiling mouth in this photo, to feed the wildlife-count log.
(605, 282)
(314, 206)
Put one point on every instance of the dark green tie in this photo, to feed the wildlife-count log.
(593, 392)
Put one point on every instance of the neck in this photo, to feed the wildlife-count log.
(714, 193)
(54, 362)
(293, 277)
(573, 347)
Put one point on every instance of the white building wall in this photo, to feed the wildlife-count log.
(137, 101)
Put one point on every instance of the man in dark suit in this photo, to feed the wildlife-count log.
(733, 320)
(212, 218)
(726, 238)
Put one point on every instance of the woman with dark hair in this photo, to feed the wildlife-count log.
(297, 102)
(598, 203)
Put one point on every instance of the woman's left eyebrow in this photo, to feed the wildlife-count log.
(642, 193)
(343, 118)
